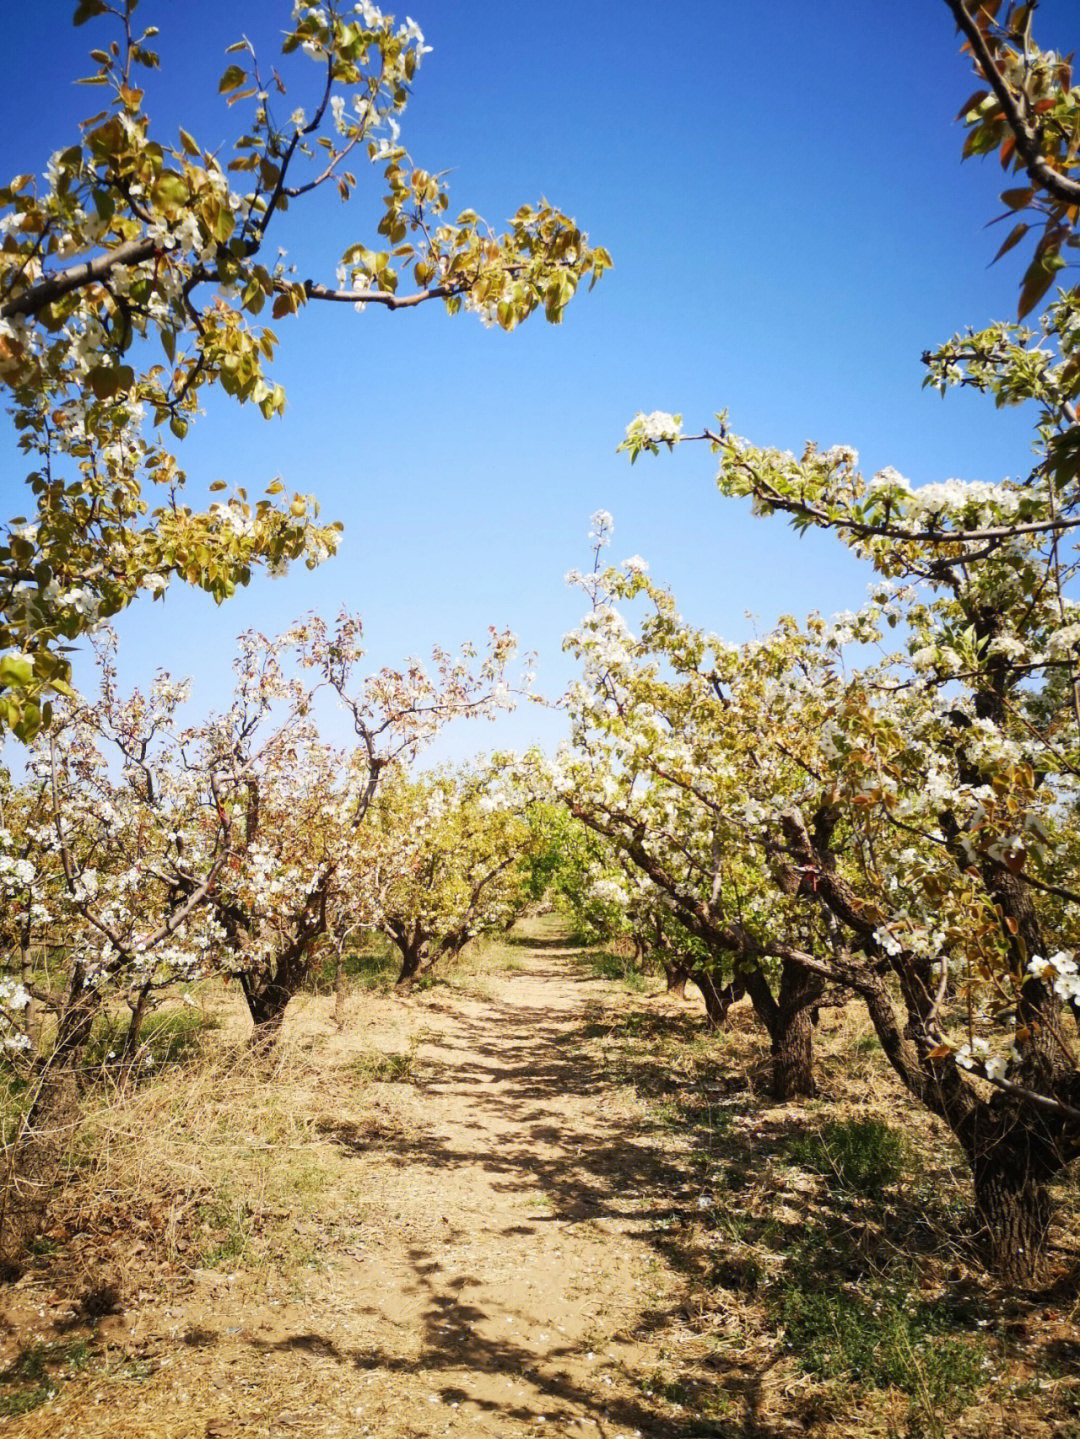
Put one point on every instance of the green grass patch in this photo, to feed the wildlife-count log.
(30, 1379)
(226, 1226)
(875, 1329)
(377, 1067)
(857, 1156)
(617, 967)
(374, 967)
(866, 1044)
(170, 1036)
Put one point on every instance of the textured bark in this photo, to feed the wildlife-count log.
(1013, 1205)
(792, 1033)
(33, 1159)
(413, 952)
(676, 976)
(138, 1008)
(267, 1000)
(793, 1058)
(718, 998)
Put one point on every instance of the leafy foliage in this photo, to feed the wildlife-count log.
(131, 243)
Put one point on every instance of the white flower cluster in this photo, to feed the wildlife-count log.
(888, 942)
(608, 891)
(13, 995)
(1066, 977)
(974, 499)
(15, 874)
(655, 428)
(1063, 641)
(602, 527)
(976, 1055)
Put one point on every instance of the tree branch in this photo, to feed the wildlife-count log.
(374, 297)
(1060, 187)
(76, 277)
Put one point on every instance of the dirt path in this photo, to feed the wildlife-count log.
(502, 1277)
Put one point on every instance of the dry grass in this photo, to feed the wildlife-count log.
(818, 1294)
(213, 1164)
(834, 1275)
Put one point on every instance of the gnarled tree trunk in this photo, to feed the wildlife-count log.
(268, 995)
(789, 1019)
(138, 1005)
(718, 997)
(676, 975)
(33, 1158)
(792, 1033)
(412, 944)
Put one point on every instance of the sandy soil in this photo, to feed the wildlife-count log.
(501, 1276)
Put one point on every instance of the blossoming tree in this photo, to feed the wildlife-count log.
(930, 818)
(301, 808)
(444, 862)
(133, 241)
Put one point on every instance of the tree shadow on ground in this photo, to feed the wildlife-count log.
(560, 943)
(451, 1345)
(726, 1204)
(509, 1066)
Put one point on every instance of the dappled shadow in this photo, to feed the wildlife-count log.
(506, 1073)
(452, 1346)
(557, 943)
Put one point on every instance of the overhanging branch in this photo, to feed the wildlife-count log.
(1059, 187)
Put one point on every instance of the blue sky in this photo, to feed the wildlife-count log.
(781, 191)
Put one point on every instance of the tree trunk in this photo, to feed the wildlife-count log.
(718, 998)
(32, 1014)
(33, 1158)
(134, 1029)
(793, 1063)
(412, 957)
(676, 976)
(1014, 1208)
(267, 1000)
(1013, 1149)
(339, 991)
(792, 1033)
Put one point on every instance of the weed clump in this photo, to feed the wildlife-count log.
(618, 967)
(378, 1067)
(857, 1156)
(30, 1379)
(874, 1328)
(172, 1036)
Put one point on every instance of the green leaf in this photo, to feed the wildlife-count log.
(170, 192)
(87, 10)
(232, 79)
(16, 672)
(1016, 234)
(223, 225)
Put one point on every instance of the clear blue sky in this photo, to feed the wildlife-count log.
(781, 191)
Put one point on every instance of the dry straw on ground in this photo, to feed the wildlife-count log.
(530, 1201)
